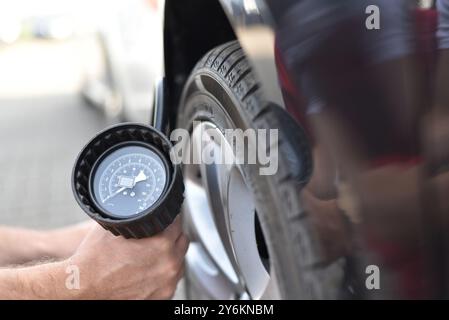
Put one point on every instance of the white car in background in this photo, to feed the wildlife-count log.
(120, 79)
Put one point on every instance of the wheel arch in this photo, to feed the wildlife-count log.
(186, 41)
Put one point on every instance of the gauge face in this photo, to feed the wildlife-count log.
(128, 180)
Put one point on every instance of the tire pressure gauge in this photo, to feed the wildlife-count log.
(124, 180)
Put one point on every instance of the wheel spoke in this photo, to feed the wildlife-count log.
(222, 214)
(215, 178)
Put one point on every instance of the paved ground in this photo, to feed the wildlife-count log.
(40, 137)
(43, 125)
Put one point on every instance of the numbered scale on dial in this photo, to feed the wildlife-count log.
(129, 180)
(124, 179)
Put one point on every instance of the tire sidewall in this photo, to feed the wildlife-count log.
(221, 107)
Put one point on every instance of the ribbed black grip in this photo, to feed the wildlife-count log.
(149, 222)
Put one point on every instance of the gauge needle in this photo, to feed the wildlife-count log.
(139, 178)
(114, 194)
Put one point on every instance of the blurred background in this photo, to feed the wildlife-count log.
(68, 69)
(378, 126)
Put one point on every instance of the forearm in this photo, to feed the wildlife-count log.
(64, 241)
(45, 281)
(18, 245)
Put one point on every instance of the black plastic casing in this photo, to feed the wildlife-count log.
(149, 222)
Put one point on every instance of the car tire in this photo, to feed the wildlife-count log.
(223, 90)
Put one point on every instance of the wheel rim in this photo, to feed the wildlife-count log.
(225, 259)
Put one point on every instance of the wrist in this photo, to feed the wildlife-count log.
(62, 243)
(51, 245)
(42, 245)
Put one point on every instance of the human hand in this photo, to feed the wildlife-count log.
(117, 268)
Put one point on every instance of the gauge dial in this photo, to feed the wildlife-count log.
(129, 180)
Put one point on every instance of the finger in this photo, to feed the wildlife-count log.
(182, 245)
(168, 289)
(180, 274)
(174, 230)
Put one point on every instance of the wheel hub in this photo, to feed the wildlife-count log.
(224, 259)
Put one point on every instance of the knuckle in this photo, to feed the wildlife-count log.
(164, 243)
(182, 270)
(184, 242)
(135, 244)
(173, 267)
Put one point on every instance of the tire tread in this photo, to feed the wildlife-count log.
(229, 63)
